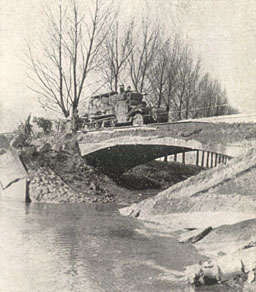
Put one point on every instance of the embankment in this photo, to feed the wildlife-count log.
(218, 189)
(220, 206)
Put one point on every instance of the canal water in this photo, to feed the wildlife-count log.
(85, 247)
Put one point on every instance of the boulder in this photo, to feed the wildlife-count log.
(18, 141)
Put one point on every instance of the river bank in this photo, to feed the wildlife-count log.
(219, 205)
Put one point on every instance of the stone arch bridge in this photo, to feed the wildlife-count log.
(116, 151)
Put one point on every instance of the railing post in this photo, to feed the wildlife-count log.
(202, 161)
(216, 159)
(175, 157)
(197, 157)
(207, 159)
(211, 159)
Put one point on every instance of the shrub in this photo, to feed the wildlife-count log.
(43, 123)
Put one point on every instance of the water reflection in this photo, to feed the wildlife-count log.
(53, 247)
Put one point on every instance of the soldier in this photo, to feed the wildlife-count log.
(127, 95)
(121, 87)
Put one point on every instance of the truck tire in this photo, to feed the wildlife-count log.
(112, 123)
(137, 120)
(95, 125)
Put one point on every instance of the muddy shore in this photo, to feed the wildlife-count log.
(216, 212)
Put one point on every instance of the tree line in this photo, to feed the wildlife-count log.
(91, 41)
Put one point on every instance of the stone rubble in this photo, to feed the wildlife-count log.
(46, 186)
(240, 265)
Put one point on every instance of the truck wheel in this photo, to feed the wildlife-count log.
(112, 123)
(98, 125)
(137, 120)
(95, 125)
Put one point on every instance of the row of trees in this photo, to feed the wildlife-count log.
(165, 69)
(84, 45)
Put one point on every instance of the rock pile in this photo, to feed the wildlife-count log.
(46, 186)
(59, 174)
(66, 179)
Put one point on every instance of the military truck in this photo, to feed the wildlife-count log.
(125, 108)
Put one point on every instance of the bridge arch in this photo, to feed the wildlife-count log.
(117, 155)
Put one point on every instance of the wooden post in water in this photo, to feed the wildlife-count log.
(183, 157)
(207, 159)
(202, 160)
(27, 197)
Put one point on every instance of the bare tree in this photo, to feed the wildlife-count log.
(191, 88)
(158, 74)
(175, 81)
(116, 50)
(210, 100)
(164, 76)
(59, 74)
(142, 55)
(178, 100)
(174, 64)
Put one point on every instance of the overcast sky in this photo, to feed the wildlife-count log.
(222, 32)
